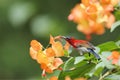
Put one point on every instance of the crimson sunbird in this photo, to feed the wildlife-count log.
(82, 46)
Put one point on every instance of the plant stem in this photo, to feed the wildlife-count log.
(102, 77)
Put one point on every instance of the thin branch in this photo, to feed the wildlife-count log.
(102, 77)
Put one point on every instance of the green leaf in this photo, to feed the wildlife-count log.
(108, 46)
(107, 63)
(99, 68)
(81, 63)
(97, 49)
(119, 62)
(79, 71)
(117, 14)
(66, 54)
(98, 71)
(112, 77)
(74, 62)
(118, 43)
(79, 59)
(94, 78)
(114, 26)
(69, 64)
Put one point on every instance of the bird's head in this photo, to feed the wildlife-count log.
(70, 40)
(66, 38)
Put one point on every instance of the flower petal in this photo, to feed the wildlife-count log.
(53, 78)
(50, 52)
(51, 40)
(33, 53)
(42, 58)
(57, 62)
(67, 46)
(36, 45)
(46, 68)
(58, 48)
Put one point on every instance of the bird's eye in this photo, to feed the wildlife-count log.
(80, 46)
(67, 37)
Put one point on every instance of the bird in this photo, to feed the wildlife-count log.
(82, 46)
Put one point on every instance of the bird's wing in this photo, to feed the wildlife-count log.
(91, 45)
(94, 53)
(87, 45)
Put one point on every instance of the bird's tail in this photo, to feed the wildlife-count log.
(95, 54)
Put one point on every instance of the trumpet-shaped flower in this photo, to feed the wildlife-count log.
(35, 47)
(53, 78)
(57, 47)
(48, 58)
(81, 78)
(92, 16)
(114, 57)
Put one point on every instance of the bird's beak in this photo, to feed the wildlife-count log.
(63, 37)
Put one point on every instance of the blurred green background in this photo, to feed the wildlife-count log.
(24, 20)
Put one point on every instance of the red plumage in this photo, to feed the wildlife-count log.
(81, 45)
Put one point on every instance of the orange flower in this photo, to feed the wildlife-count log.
(67, 46)
(77, 14)
(92, 16)
(33, 53)
(67, 78)
(98, 28)
(52, 40)
(91, 11)
(46, 68)
(35, 47)
(57, 47)
(50, 52)
(114, 2)
(115, 57)
(57, 62)
(84, 28)
(86, 2)
(47, 57)
(53, 78)
(53, 64)
(42, 58)
(110, 21)
(106, 2)
(81, 78)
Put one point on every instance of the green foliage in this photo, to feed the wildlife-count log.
(108, 46)
(118, 43)
(82, 66)
(115, 25)
(112, 77)
(117, 14)
(75, 70)
(24, 20)
(69, 64)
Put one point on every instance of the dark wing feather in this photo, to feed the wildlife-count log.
(91, 45)
(94, 53)
(87, 45)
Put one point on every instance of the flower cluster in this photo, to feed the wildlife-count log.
(67, 78)
(92, 15)
(81, 78)
(115, 57)
(48, 58)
